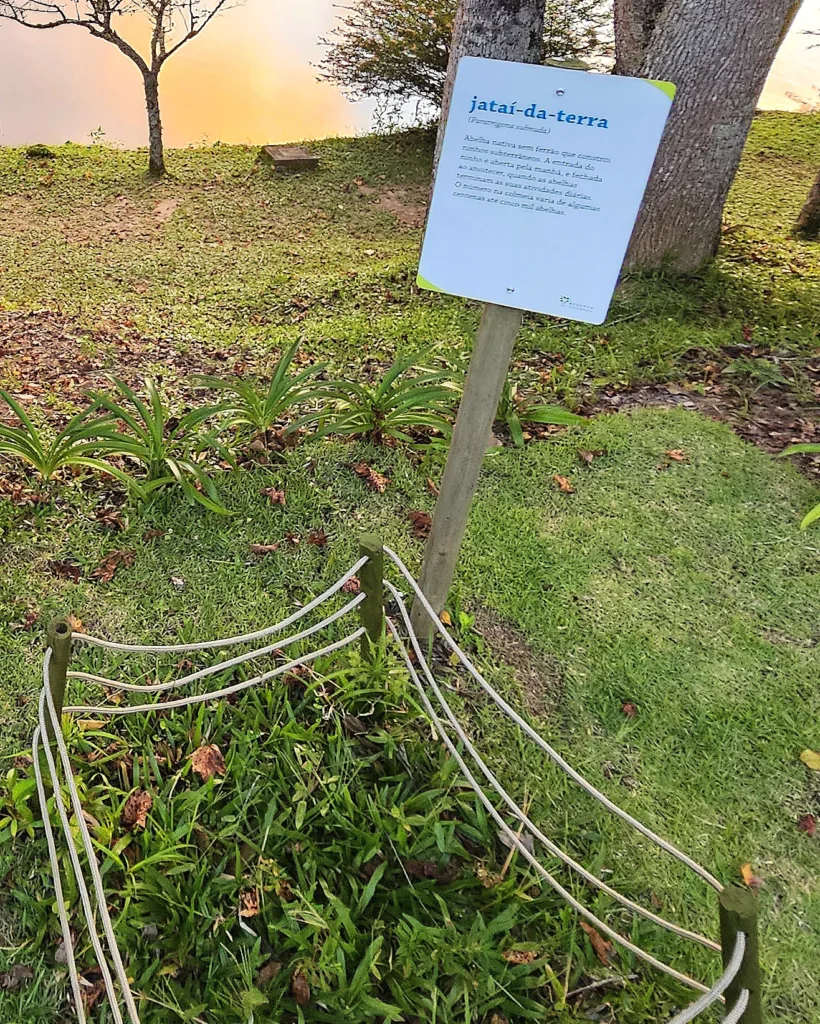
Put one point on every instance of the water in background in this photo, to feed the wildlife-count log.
(247, 79)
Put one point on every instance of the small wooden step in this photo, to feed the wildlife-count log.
(289, 158)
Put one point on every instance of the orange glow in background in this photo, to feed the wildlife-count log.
(248, 78)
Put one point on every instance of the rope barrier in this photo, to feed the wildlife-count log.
(49, 722)
(540, 741)
(522, 817)
(518, 844)
(737, 1011)
(720, 986)
(228, 641)
(222, 665)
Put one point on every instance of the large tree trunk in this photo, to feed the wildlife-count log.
(808, 223)
(635, 22)
(156, 152)
(503, 29)
(718, 53)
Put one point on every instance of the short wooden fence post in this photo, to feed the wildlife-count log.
(738, 913)
(371, 610)
(59, 640)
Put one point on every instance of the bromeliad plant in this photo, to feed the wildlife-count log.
(402, 402)
(81, 443)
(806, 449)
(249, 409)
(170, 449)
(516, 409)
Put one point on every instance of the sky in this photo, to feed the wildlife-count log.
(248, 78)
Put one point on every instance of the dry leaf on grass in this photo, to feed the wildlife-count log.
(18, 976)
(808, 824)
(135, 812)
(519, 956)
(92, 986)
(268, 973)
(318, 538)
(353, 586)
(274, 496)
(208, 761)
(603, 948)
(587, 456)
(629, 709)
(249, 903)
(750, 878)
(563, 483)
(152, 535)
(676, 455)
(446, 618)
(263, 549)
(300, 990)
(111, 563)
(420, 523)
(375, 481)
(811, 759)
(65, 570)
(432, 487)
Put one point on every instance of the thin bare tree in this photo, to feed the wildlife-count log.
(173, 23)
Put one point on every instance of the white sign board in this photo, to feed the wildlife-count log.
(541, 176)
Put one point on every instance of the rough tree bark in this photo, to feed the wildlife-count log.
(502, 29)
(808, 223)
(718, 53)
(156, 150)
(635, 22)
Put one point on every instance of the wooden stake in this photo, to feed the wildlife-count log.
(471, 438)
(59, 640)
(371, 610)
(738, 913)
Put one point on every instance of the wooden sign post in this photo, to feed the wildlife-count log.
(540, 178)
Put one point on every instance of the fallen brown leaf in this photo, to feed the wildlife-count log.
(293, 539)
(208, 761)
(750, 878)
(268, 973)
(432, 487)
(446, 618)
(318, 538)
(353, 586)
(152, 535)
(249, 903)
(274, 496)
(75, 623)
(429, 869)
(629, 709)
(563, 483)
(603, 948)
(519, 956)
(92, 986)
(29, 621)
(375, 480)
(19, 975)
(135, 811)
(66, 570)
(587, 456)
(111, 563)
(676, 455)
(263, 549)
(808, 824)
(420, 523)
(300, 990)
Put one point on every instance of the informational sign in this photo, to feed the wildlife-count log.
(540, 180)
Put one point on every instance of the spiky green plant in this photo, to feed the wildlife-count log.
(516, 410)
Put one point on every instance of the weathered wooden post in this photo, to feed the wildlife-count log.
(371, 610)
(738, 913)
(59, 640)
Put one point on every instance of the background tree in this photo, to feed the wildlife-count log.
(718, 53)
(173, 23)
(400, 49)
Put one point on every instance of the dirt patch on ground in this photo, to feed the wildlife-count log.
(408, 206)
(771, 417)
(119, 219)
(540, 681)
(49, 362)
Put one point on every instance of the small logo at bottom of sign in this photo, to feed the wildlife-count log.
(567, 301)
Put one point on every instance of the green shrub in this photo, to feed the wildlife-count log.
(806, 449)
(516, 409)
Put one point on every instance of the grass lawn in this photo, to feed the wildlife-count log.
(678, 588)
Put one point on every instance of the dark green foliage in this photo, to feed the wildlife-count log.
(516, 409)
(400, 48)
